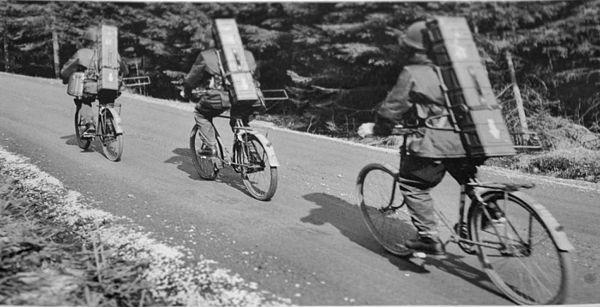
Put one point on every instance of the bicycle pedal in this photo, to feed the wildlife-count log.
(420, 255)
(462, 230)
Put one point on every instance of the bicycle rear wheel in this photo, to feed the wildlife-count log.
(383, 210)
(204, 165)
(112, 143)
(260, 178)
(83, 143)
(520, 254)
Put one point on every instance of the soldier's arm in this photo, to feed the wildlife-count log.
(396, 104)
(195, 76)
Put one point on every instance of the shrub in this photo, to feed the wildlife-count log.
(576, 163)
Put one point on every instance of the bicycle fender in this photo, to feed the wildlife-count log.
(268, 148)
(556, 230)
(117, 118)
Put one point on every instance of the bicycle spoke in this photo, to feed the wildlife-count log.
(205, 167)
(382, 209)
(259, 176)
(526, 265)
(112, 143)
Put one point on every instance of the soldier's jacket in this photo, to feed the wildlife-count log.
(207, 65)
(82, 60)
(416, 96)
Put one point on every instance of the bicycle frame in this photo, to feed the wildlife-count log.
(475, 190)
(109, 107)
(239, 130)
(520, 245)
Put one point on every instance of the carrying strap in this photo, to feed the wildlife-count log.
(449, 114)
(92, 70)
(221, 69)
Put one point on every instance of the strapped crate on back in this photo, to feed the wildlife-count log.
(108, 60)
(235, 64)
(468, 90)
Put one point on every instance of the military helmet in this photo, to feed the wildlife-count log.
(91, 34)
(414, 36)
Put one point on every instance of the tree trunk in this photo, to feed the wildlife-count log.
(55, 48)
(6, 57)
(517, 95)
(4, 14)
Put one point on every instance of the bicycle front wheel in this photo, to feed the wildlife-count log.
(204, 165)
(517, 250)
(259, 176)
(382, 208)
(83, 143)
(112, 143)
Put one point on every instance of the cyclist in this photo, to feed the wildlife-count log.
(206, 73)
(417, 95)
(82, 61)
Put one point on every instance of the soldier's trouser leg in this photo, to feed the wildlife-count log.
(461, 169)
(207, 130)
(240, 112)
(427, 173)
(85, 110)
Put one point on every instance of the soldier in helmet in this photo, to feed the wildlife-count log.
(84, 61)
(205, 73)
(416, 96)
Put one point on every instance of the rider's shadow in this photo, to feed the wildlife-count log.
(348, 219)
(183, 160)
(95, 146)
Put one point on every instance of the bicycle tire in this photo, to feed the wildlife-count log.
(204, 166)
(112, 143)
(258, 175)
(532, 272)
(383, 210)
(83, 143)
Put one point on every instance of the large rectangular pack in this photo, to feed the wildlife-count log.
(469, 91)
(234, 61)
(108, 59)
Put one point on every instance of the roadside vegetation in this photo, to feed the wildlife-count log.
(338, 60)
(55, 250)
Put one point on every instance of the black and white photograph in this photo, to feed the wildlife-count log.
(299, 153)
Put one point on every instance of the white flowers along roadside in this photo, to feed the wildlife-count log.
(175, 281)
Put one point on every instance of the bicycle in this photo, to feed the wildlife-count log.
(253, 157)
(109, 131)
(521, 246)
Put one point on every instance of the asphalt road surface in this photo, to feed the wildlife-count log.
(309, 243)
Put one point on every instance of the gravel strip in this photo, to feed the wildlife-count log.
(175, 280)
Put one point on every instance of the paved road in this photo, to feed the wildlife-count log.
(309, 243)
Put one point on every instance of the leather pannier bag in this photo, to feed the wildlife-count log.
(216, 99)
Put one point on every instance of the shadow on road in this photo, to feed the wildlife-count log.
(95, 146)
(183, 160)
(348, 219)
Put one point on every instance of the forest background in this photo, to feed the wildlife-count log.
(338, 60)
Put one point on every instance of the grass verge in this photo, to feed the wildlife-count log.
(565, 156)
(55, 250)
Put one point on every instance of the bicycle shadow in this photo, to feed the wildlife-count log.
(183, 160)
(348, 219)
(95, 146)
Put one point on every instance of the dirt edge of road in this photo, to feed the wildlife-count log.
(58, 250)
